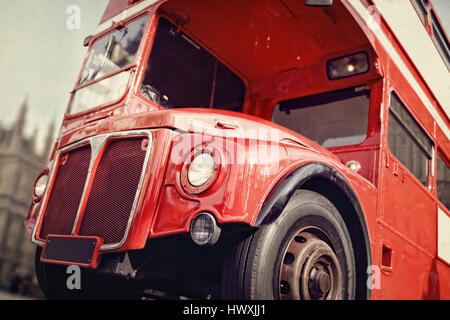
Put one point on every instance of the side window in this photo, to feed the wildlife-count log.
(407, 141)
(443, 181)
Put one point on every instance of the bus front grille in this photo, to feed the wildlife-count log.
(95, 189)
(113, 191)
(66, 193)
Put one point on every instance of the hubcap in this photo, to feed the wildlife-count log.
(310, 269)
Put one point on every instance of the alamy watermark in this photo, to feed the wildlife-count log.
(73, 21)
(237, 146)
(374, 277)
(74, 279)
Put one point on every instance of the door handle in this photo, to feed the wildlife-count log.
(227, 124)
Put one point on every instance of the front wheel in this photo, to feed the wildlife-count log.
(306, 254)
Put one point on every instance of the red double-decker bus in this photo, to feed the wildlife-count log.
(258, 149)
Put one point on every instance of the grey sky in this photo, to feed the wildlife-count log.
(40, 57)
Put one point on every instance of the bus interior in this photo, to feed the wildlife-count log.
(309, 69)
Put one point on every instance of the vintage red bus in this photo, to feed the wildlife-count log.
(258, 149)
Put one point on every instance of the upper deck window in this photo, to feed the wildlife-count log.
(422, 9)
(113, 51)
(181, 74)
(330, 119)
(101, 81)
(433, 27)
(440, 40)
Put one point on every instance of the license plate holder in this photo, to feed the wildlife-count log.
(72, 250)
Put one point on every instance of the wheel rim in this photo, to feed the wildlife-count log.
(310, 269)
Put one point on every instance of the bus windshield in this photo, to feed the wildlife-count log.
(182, 74)
(109, 54)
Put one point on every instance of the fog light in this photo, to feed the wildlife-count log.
(204, 230)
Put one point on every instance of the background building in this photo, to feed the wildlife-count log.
(20, 164)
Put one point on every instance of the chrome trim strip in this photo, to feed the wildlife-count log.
(96, 143)
(138, 189)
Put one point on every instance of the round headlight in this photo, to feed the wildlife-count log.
(201, 169)
(40, 185)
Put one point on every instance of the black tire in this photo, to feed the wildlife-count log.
(254, 268)
(52, 279)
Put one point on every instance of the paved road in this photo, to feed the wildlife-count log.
(8, 296)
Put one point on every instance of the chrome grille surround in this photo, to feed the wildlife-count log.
(96, 143)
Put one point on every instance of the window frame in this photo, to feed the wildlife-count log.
(419, 5)
(350, 86)
(139, 53)
(440, 154)
(146, 57)
(431, 154)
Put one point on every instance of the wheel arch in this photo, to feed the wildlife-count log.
(328, 182)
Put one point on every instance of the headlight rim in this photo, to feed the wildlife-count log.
(36, 196)
(185, 183)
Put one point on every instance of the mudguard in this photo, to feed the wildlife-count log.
(280, 196)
